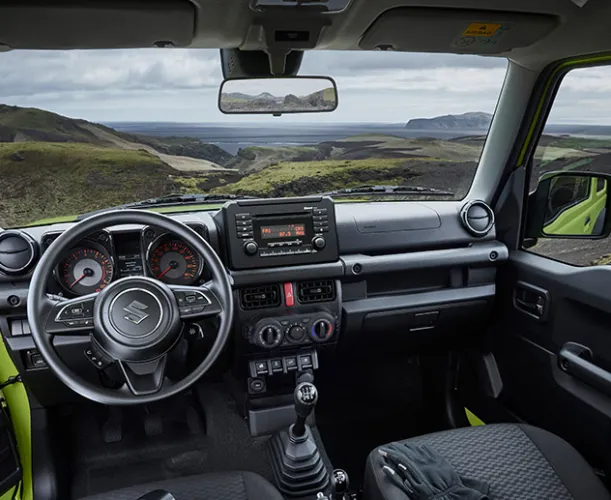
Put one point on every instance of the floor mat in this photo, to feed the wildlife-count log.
(223, 443)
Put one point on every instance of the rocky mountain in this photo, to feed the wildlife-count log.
(466, 121)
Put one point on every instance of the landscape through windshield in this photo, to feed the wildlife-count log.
(82, 131)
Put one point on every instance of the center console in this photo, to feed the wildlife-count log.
(280, 232)
(284, 331)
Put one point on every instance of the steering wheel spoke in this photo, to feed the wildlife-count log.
(144, 378)
(70, 316)
(197, 301)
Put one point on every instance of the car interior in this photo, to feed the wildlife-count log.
(312, 348)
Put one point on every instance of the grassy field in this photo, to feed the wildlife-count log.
(298, 178)
(42, 180)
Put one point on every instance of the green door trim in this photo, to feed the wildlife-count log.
(19, 406)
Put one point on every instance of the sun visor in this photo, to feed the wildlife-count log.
(456, 30)
(96, 24)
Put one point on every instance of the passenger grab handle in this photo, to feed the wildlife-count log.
(576, 360)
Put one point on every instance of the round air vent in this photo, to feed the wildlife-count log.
(477, 217)
(18, 251)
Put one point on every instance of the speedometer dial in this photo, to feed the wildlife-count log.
(175, 262)
(85, 270)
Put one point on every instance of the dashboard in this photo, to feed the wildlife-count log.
(110, 255)
(314, 282)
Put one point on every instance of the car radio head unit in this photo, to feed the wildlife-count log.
(266, 233)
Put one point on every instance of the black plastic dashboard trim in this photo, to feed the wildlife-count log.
(436, 298)
(489, 253)
(289, 273)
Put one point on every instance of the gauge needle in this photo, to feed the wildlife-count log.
(77, 280)
(86, 272)
(165, 271)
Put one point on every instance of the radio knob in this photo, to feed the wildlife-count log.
(269, 336)
(251, 248)
(319, 242)
(322, 330)
(296, 333)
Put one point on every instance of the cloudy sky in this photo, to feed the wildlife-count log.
(174, 85)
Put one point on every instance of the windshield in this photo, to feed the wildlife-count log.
(82, 131)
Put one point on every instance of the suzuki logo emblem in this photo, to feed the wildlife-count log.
(135, 312)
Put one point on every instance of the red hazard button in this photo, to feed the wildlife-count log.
(289, 298)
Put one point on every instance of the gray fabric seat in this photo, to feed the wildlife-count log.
(520, 462)
(218, 486)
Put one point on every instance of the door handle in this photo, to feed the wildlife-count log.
(531, 300)
(576, 360)
(588, 219)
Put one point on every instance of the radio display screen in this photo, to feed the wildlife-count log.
(281, 231)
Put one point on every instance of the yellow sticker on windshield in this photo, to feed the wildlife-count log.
(481, 29)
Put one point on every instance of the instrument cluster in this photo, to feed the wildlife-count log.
(107, 256)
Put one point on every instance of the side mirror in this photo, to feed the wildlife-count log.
(570, 205)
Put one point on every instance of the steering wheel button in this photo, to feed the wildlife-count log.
(190, 299)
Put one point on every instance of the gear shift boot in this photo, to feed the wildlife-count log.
(296, 461)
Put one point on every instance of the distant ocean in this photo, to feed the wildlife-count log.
(232, 137)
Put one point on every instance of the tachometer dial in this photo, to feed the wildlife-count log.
(175, 262)
(85, 270)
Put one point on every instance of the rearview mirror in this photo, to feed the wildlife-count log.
(278, 95)
(570, 205)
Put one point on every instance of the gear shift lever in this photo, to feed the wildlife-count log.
(305, 397)
(297, 463)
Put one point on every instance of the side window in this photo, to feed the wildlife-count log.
(576, 138)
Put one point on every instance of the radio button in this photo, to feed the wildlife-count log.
(319, 242)
(251, 248)
(242, 217)
(320, 211)
(245, 235)
(241, 223)
(320, 218)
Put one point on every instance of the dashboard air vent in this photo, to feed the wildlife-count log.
(477, 218)
(18, 251)
(309, 292)
(260, 297)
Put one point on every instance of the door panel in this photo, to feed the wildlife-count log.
(526, 347)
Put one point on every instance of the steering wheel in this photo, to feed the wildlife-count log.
(133, 322)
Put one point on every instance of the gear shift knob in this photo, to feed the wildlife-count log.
(305, 397)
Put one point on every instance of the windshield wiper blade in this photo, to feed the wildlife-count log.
(171, 200)
(185, 198)
(387, 191)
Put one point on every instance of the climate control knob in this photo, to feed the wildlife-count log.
(296, 333)
(269, 335)
(319, 242)
(322, 330)
(250, 248)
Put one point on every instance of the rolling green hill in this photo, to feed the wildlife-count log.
(40, 180)
(30, 124)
